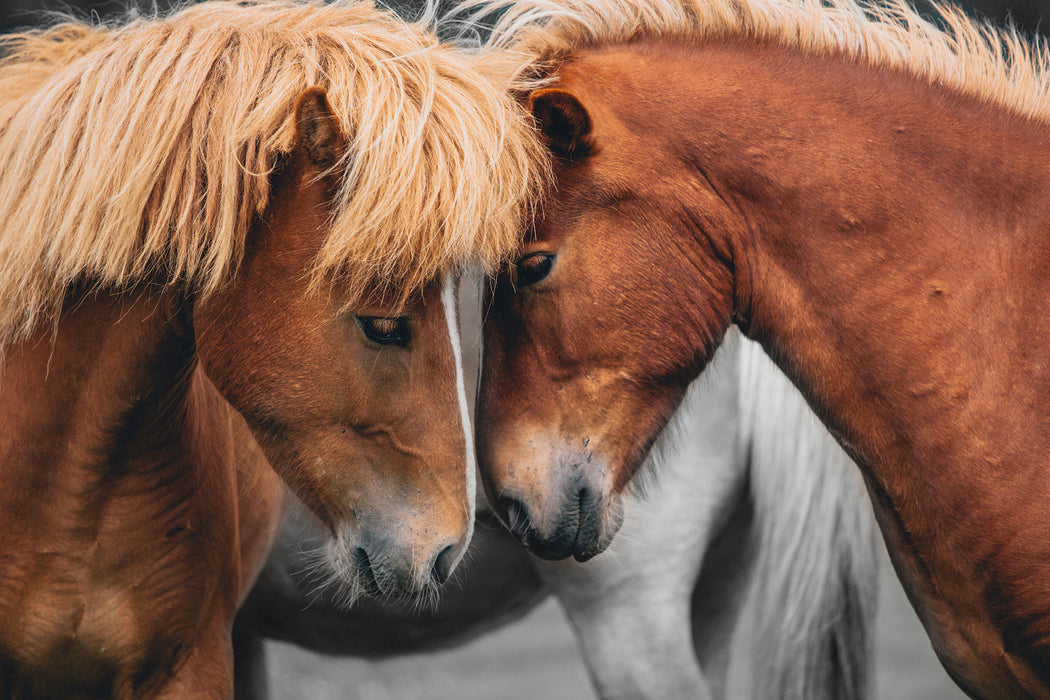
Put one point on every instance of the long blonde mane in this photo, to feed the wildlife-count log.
(145, 151)
(995, 64)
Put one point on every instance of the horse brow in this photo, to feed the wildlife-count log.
(609, 196)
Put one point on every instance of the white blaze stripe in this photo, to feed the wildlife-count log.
(449, 298)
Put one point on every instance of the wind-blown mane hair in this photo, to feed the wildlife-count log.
(144, 151)
(978, 59)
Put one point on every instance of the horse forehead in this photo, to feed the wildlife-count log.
(605, 65)
(438, 311)
(438, 297)
(619, 73)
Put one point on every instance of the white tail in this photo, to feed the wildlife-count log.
(815, 585)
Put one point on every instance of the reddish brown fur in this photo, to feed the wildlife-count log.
(136, 507)
(338, 403)
(119, 540)
(884, 239)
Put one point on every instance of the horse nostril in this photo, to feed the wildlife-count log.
(443, 564)
(366, 574)
(588, 529)
(517, 516)
(360, 558)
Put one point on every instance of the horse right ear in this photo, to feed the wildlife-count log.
(317, 128)
(562, 120)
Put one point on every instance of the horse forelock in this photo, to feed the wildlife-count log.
(976, 58)
(145, 150)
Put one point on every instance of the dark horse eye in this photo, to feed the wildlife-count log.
(531, 269)
(385, 331)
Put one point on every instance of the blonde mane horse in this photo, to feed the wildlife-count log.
(232, 229)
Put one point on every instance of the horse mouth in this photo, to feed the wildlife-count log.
(581, 531)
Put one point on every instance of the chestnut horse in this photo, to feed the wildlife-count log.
(226, 234)
(691, 601)
(865, 194)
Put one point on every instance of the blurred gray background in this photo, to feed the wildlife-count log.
(536, 657)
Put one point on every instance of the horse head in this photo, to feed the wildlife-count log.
(357, 402)
(589, 339)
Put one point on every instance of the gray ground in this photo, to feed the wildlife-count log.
(536, 658)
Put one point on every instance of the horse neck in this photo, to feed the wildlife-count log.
(889, 250)
(114, 381)
(114, 442)
(886, 237)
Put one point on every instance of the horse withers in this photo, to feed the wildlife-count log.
(225, 234)
(861, 191)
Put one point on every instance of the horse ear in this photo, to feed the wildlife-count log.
(318, 129)
(562, 120)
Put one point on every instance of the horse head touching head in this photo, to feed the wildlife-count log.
(586, 354)
(580, 327)
(258, 205)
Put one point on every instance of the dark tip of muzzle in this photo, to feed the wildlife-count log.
(443, 564)
(576, 534)
(516, 517)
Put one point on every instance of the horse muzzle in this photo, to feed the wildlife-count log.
(384, 568)
(581, 526)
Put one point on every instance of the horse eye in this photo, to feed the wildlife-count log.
(385, 331)
(531, 269)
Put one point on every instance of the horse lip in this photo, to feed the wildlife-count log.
(588, 522)
(594, 544)
(553, 548)
(549, 552)
(587, 555)
(579, 534)
(557, 548)
(592, 547)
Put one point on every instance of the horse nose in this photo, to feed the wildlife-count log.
(444, 563)
(588, 529)
(388, 569)
(516, 517)
(574, 531)
(366, 575)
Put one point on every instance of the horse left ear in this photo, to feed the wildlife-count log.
(317, 128)
(562, 120)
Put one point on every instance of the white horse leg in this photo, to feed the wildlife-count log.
(630, 607)
(635, 640)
